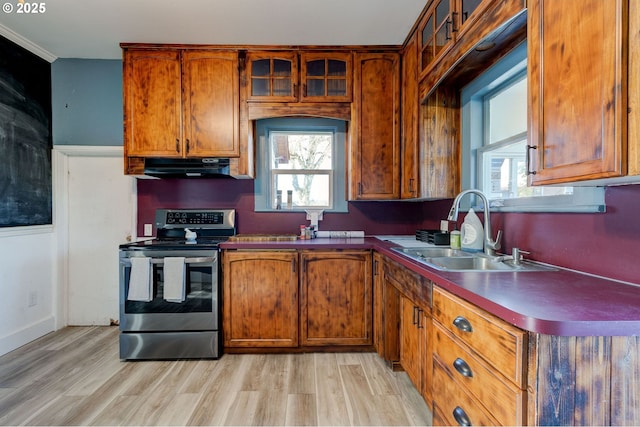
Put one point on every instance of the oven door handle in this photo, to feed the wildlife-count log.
(194, 260)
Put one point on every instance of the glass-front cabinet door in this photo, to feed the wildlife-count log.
(326, 77)
(273, 76)
(436, 32)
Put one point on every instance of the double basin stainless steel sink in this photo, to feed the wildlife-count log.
(447, 259)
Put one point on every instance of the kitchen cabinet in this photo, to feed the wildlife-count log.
(580, 127)
(410, 145)
(317, 77)
(326, 76)
(260, 299)
(181, 103)
(479, 365)
(374, 143)
(272, 76)
(412, 340)
(386, 314)
(296, 299)
(460, 39)
(409, 300)
(444, 22)
(336, 298)
(440, 150)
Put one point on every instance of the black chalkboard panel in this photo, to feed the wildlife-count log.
(25, 137)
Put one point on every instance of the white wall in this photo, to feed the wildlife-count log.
(27, 274)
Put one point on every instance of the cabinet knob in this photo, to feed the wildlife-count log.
(462, 324)
(461, 417)
(462, 367)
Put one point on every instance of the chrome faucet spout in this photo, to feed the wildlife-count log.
(490, 245)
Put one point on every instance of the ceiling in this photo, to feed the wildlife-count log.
(94, 28)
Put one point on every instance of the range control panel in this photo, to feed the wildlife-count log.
(208, 218)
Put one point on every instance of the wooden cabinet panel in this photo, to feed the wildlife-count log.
(211, 103)
(260, 299)
(336, 298)
(326, 76)
(386, 313)
(375, 142)
(410, 148)
(272, 76)
(453, 404)
(500, 344)
(152, 103)
(412, 325)
(577, 53)
(439, 142)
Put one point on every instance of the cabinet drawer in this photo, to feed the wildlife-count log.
(500, 344)
(452, 399)
(501, 398)
(414, 286)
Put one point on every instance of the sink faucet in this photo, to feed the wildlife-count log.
(490, 245)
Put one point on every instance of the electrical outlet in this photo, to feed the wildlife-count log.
(33, 299)
(148, 230)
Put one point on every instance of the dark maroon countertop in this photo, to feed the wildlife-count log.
(558, 302)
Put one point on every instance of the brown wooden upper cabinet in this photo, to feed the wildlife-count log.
(374, 145)
(578, 55)
(273, 76)
(288, 76)
(181, 103)
(444, 22)
(326, 77)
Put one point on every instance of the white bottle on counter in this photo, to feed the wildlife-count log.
(472, 233)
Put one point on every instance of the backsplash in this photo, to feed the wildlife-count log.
(605, 244)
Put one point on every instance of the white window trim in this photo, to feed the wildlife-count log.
(263, 182)
(584, 198)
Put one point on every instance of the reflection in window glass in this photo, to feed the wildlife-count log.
(502, 158)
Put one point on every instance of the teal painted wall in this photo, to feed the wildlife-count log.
(86, 97)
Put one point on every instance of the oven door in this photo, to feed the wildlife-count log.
(198, 312)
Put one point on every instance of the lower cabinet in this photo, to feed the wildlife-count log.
(407, 303)
(479, 365)
(413, 339)
(292, 299)
(260, 299)
(336, 298)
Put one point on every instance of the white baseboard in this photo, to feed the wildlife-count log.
(26, 335)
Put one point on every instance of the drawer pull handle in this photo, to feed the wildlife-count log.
(461, 417)
(462, 324)
(462, 367)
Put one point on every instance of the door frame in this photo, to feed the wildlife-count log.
(60, 163)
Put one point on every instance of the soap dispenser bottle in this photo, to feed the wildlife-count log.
(472, 233)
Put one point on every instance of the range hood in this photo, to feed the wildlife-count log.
(187, 168)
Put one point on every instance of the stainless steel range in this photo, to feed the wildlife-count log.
(170, 298)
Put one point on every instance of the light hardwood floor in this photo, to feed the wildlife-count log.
(74, 377)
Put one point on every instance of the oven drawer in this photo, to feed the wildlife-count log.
(169, 345)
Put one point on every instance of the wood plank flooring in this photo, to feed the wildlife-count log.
(75, 377)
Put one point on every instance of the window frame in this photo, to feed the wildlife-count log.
(585, 198)
(264, 182)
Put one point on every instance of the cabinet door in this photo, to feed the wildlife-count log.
(152, 103)
(410, 108)
(211, 103)
(326, 77)
(335, 298)
(375, 143)
(411, 322)
(273, 76)
(577, 89)
(436, 33)
(260, 299)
